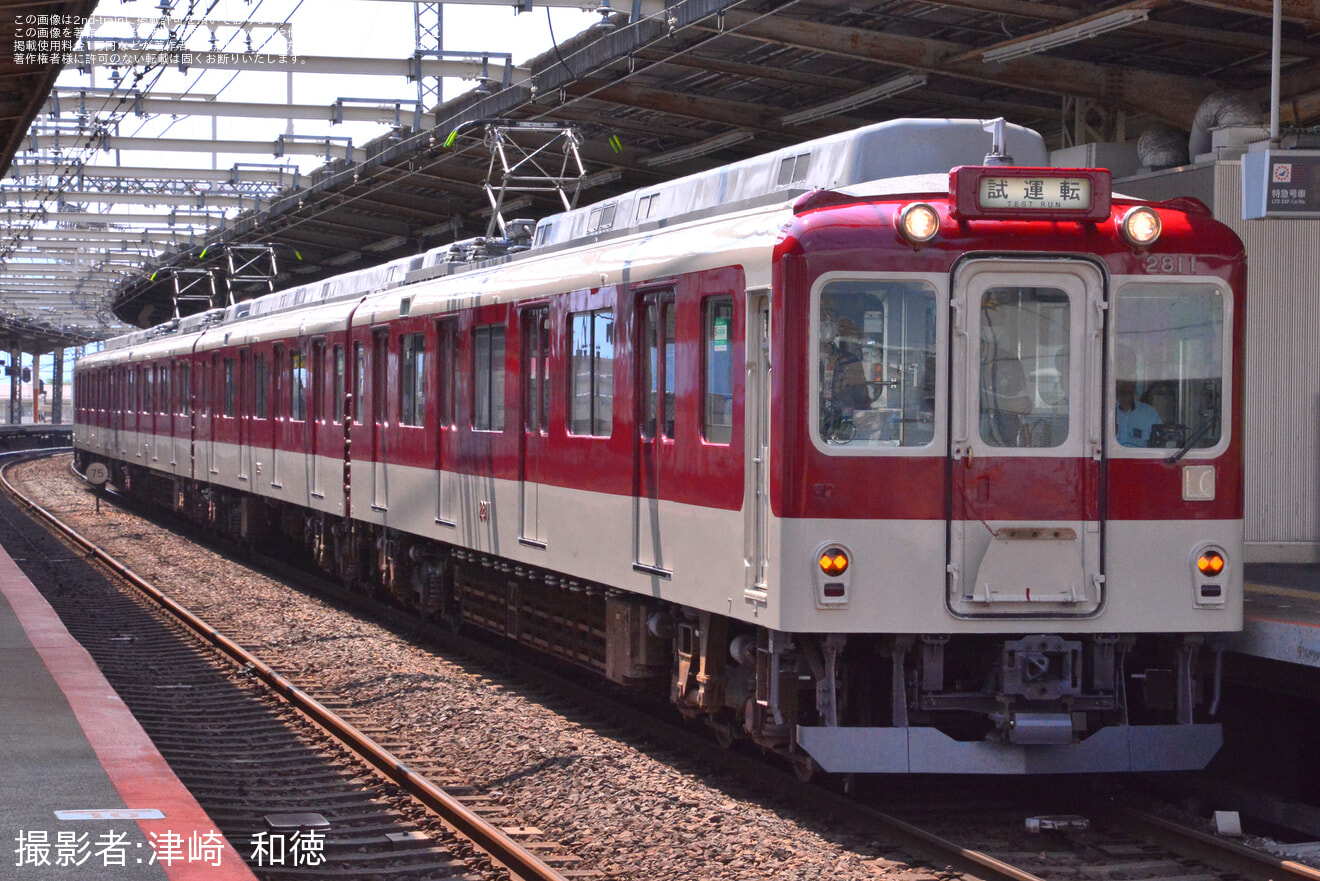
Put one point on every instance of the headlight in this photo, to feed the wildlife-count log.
(919, 222)
(1141, 226)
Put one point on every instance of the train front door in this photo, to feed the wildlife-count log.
(656, 322)
(1026, 531)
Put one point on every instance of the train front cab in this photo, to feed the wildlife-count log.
(1047, 573)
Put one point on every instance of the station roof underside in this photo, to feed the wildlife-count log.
(23, 91)
(706, 82)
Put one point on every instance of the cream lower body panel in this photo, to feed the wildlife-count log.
(898, 581)
(898, 566)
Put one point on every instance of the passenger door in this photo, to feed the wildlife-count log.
(535, 362)
(1026, 524)
(757, 501)
(379, 416)
(655, 431)
(245, 398)
(316, 418)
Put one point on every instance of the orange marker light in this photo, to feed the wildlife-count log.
(834, 562)
(1210, 563)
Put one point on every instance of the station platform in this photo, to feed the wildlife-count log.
(42, 435)
(1281, 615)
(83, 792)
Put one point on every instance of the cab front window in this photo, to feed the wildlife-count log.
(875, 373)
(1168, 366)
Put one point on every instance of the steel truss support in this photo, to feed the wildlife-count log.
(193, 286)
(429, 29)
(528, 167)
(250, 264)
(1088, 121)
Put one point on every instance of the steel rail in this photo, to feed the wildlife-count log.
(1248, 861)
(520, 862)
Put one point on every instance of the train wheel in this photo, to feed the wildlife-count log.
(725, 736)
(804, 767)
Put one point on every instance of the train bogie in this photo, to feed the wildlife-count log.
(936, 473)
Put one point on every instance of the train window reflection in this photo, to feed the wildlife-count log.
(591, 409)
(1025, 367)
(876, 364)
(1168, 365)
(259, 380)
(488, 354)
(717, 407)
(298, 386)
(412, 379)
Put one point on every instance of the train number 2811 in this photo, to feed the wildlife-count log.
(1172, 264)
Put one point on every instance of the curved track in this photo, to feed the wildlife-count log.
(243, 759)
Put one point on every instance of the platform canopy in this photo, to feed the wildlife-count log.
(651, 91)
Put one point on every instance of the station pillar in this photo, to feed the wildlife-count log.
(57, 389)
(15, 386)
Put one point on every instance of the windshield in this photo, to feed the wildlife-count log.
(876, 363)
(1168, 366)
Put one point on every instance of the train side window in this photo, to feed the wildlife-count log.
(163, 398)
(359, 383)
(259, 380)
(446, 366)
(229, 387)
(1168, 365)
(717, 370)
(658, 331)
(488, 378)
(298, 386)
(536, 355)
(875, 375)
(591, 373)
(337, 388)
(412, 379)
(316, 382)
(185, 389)
(380, 359)
(279, 401)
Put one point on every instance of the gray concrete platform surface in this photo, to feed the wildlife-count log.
(83, 792)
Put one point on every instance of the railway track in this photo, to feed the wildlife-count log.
(297, 789)
(946, 832)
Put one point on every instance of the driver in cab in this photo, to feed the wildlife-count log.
(1135, 419)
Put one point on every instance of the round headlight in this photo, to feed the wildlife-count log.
(834, 561)
(919, 222)
(1210, 563)
(1141, 226)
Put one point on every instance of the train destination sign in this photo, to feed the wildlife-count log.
(1044, 193)
(1281, 183)
(1035, 193)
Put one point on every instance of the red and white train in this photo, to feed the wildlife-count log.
(884, 453)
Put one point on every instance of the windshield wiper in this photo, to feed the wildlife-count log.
(1206, 424)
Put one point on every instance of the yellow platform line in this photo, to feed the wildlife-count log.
(1274, 590)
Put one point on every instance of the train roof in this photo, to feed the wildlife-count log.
(900, 148)
(906, 155)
